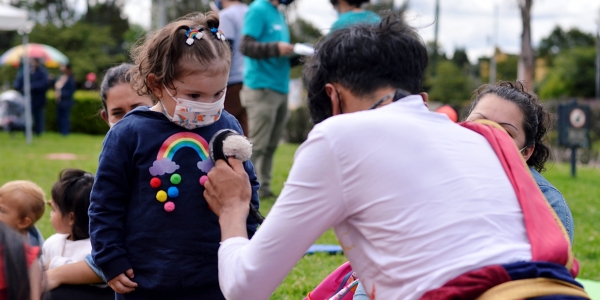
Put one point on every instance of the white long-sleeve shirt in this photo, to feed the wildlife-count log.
(58, 250)
(415, 201)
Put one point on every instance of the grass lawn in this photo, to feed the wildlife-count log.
(21, 161)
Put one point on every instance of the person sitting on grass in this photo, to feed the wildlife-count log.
(118, 99)
(70, 202)
(22, 204)
(525, 119)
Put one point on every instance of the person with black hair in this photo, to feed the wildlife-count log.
(38, 85)
(118, 96)
(351, 12)
(20, 270)
(70, 203)
(526, 120)
(417, 202)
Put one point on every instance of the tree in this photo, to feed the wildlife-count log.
(57, 12)
(87, 46)
(450, 85)
(109, 14)
(560, 40)
(460, 58)
(526, 59)
(571, 75)
(384, 6)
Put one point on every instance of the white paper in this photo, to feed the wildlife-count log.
(302, 49)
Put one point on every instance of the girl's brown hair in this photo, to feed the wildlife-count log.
(165, 52)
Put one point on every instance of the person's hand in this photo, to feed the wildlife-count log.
(285, 48)
(122, 284)
(52, 280)
(228, 188)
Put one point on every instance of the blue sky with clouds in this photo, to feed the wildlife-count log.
(463, 23)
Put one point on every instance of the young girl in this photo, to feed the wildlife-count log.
(153, 235)
(70, 202)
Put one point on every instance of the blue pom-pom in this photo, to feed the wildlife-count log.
(173, 192)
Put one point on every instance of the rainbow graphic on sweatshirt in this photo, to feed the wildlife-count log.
(182, 140)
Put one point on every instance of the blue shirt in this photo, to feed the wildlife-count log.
(556, 200)
(350, 18)
(143, 157)
(266, 24)
(231, 23)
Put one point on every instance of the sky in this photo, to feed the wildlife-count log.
(462, 23)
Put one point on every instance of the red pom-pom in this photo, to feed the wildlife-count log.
(203, 180)
(169, 206)
(155, 182)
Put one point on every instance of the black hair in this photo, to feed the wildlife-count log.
(71, 194)
(535, 117)
(364, 58)
(354, 3)
(16, 272)
(114, 76)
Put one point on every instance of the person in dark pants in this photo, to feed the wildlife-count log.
(65, 88)
(38, 87)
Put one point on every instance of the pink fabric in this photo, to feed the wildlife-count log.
(548, 241)
(329, 286)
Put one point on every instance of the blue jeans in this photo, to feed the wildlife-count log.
(63, 111)
(37, 112)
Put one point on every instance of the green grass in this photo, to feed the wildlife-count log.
(21, 161)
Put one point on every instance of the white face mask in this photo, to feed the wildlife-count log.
(191, 114)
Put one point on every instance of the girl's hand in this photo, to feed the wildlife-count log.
(122, 284)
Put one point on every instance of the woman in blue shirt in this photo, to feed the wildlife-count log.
(524, 118)
(351, 13)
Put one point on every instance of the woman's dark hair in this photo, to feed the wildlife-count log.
(16, 272)
(166, 52)
(364, 58)
(71, 194)
(535, 117)
(114, 76)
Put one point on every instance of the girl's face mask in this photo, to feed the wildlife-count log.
(191, 114)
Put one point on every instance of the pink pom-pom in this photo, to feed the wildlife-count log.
(169, 206)
(203, 180)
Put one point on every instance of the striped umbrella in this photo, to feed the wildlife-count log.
(52, 57)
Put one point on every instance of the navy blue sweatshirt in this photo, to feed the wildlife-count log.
(147, 166)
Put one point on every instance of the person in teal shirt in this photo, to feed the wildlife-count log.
(267, 50)
(351, 13)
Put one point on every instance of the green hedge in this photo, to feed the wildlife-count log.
(85, 114)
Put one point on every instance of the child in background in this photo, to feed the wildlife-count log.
(21, 206)
(70, 203)
(153, 235)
